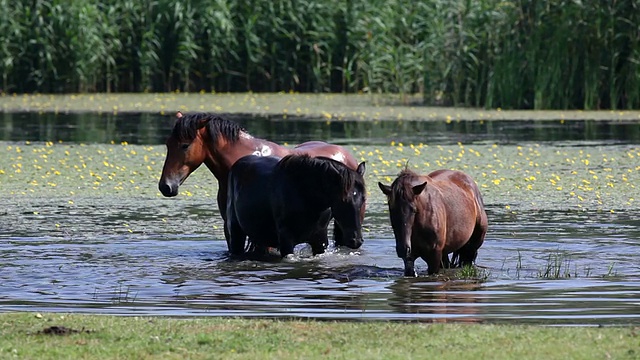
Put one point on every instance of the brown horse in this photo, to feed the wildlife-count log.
(199, 138)
(435, 215)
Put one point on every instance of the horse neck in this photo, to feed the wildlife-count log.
(222, 154)
(326, 185)
(430, 200)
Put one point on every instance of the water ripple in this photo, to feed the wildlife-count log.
(178, 275)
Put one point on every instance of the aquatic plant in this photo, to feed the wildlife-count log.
(118, 295)
(558, 266)
(471, 272)
(519, 177)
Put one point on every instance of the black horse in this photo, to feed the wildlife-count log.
(280, 203)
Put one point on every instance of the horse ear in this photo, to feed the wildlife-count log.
(417, 190)
(179, 114)
(386, 189)
(361, 168)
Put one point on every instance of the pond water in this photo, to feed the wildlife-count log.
(143, 128)
(548, 262)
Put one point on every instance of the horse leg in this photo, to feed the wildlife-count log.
(319, 242)
(409, 267)
(455, 259)
(222, 207)
(236, 236)
(433, 259)
(469, 251)
(237, 240)
(446, 264)
(337, 234)
(257, 249)
(285, 240)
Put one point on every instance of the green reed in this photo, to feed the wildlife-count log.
(558, 266)
(488, 53)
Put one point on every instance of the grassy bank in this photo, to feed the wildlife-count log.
(325, 107)
(59, 336)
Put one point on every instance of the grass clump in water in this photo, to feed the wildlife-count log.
(470, 272)
(558, 266)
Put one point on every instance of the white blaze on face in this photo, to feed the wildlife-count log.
(338, 157)
(263, 150)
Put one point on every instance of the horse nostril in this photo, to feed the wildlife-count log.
(167, 190)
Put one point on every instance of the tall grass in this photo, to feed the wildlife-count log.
(561, 54)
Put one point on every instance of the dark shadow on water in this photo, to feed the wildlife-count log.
(145, 128)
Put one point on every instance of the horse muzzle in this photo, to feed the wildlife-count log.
(167, 189)
(355, 242)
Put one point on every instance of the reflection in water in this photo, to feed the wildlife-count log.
(144, 128)
(445, 301)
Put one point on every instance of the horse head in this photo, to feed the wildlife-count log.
(186, 151)
(401, 198)
(347, 209)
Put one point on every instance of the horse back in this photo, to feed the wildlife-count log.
(459, 188)
(335, 152)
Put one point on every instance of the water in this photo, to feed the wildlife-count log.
(188, 275)
(148, 256)
(137, 128)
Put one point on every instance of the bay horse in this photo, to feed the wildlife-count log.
(434, 215)
(280, 203)
(198, 138)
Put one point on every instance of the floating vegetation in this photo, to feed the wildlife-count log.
(511, 178)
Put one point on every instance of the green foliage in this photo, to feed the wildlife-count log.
(470, 272)
(561, 54)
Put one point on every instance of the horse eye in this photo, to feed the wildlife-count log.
(184, 146)
(355, 193)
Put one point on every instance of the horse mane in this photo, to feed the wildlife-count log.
(403, 186)
(298, 165)
(187, 126)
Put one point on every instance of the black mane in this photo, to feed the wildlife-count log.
(299, 165)
(186, 127)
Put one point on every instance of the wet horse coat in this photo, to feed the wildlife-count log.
(281, 203)
(435, 215)
(203, 138)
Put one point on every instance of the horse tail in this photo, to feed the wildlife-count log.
(478, 197)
